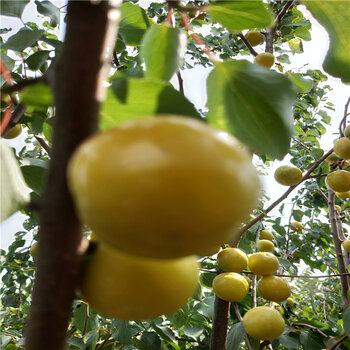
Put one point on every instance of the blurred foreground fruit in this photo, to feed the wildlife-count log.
(14, 132)
(232, 260)
(126, 287)
(263, 263)
(254, 37)
(288, 175)
(230, 286)
(339, 181)
(170, 184)
(342, 148)
(265, 59)
(264, 245)
(274, 288)
(265, 234)
(34, 249)
(263, 323)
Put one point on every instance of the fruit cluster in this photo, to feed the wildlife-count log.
(156, 192)
(232, 286)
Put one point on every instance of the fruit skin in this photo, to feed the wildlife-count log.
(290, 301)
(254, 37)
(347, 131)
(288, 175)
(264, 245)
(171, 184)
(346, 245)
(265, 59)
(342, 148)
(248, 280)
(14, 132)
(34, 250)
(296, 226)
(210, 252)
(263, 263)
(274, 288)
(230, 286)
(263, 323)
(265, 234)
(339, 181)
(343, 195)
(126, 287)
(232, 260)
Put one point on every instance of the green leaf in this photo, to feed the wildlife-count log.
(254, 104)
(346, 320)
(133, 23)
(37, 59)
(316, 153)
(165, 58)
(311, 340)
(295, 44)
(302, 84)
(22, 39)
(13, 8)
(334, 16)
(47, 8)
(207, 279)
(13, 192)
(38, 95)
(239, 15)
(34, 177)
(235, 336)
(289, 340)
(141, 98)
(123, 331)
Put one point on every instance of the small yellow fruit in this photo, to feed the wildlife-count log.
(263, 323)
(254, 37)
(126, 287)
(265, 59)
(230, 286)
(265, 234)
(265, 245)
(263, 263)
(232, 260)
(339, 181)
(342, 148)
(337, 208)
(346, 245)
(288, 175)
(14, 132)
(296, 226)
(276, 306)
(34, 250)
(274, 288)
(290, 301)
(347, 131)
(343, 195)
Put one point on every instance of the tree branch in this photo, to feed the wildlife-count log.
(77, 89)
(220, 322)
(311, 327)
(246, 42)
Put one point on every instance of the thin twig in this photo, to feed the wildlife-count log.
(311, 327)
(342, 124)
(339, 342)
(43, 144)
(246, 42)
(241, 320)
(21, 84)
(181, 82)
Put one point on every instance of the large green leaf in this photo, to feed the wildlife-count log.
(38, 95)
(22, 39)
(13, 191)
(346, 320)
(140, 98)
(37, 59)
(235, 336)
(254, 104)
(238, 15)
(13, 8)
(303, 85)
(34, 177)
(163, 59)
(334, 16)
(47, 8)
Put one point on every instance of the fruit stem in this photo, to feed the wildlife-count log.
(238, 314)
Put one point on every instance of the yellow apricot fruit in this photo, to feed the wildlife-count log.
(265, 59)
(276, 306)
(339, 180)
(266, 234)
(274, 288)
(254, 37)
(290, 301)
(210, 252)
(127, 287)
(172, 184)
(263, 323)
(337, 208)
(232, 260)
(33, 251)
(264, 245)
(347, 131)
(248, 280)
(263, 263)
(343, 195)
(14, 132)
(230, 286)
(346, 245)
(342, 148)
(288, 175)
(296, 226)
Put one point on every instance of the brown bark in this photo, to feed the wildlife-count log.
(77, 94)
(220, 322)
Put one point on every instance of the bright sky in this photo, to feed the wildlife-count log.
(195, 90)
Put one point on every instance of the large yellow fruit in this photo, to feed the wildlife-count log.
(264, 245)
(232, 260)
(274, 288)
(288, 175)
(126, 287)
(296, 226)
(263, 323)
(254, 37)
(265, 59)
(339, 181)
(343, 195)
(230, 286)
(163, 187)
(263, 263)
(346, 245)
(265, 234)
(342, 148)
(14, 132)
